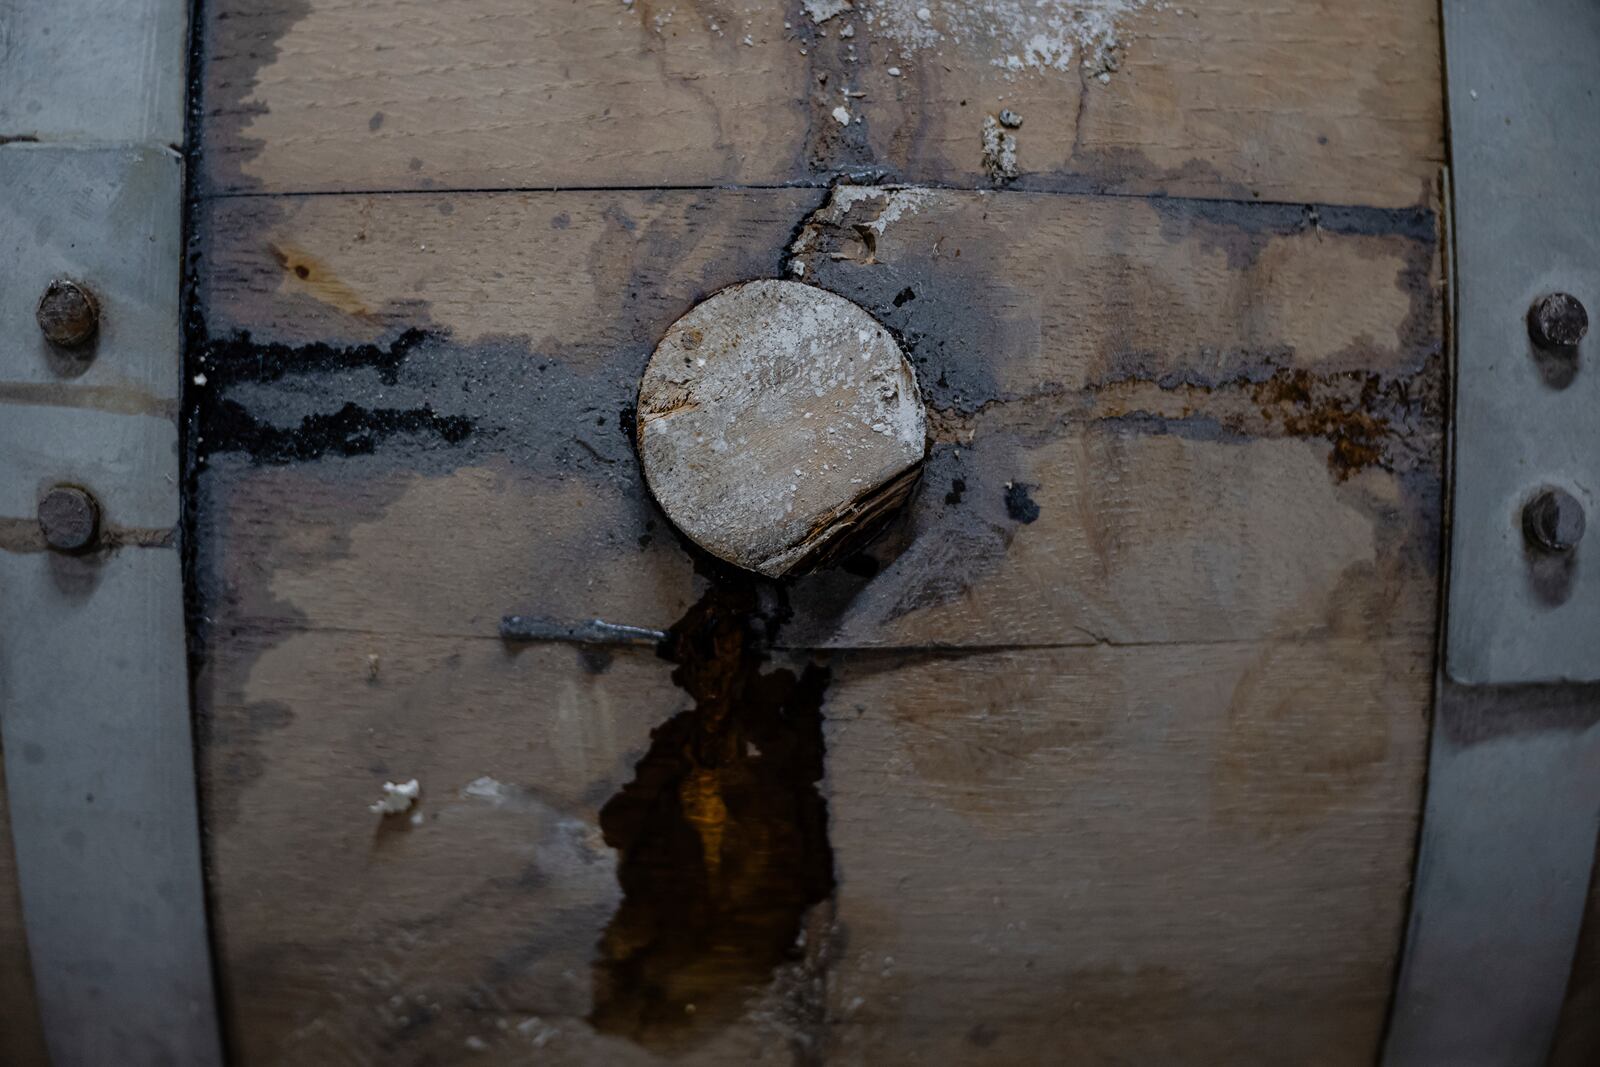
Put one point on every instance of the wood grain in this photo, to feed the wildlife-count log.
(1096, 855)
(1226, 420)
(1301, 101)
(1124, 732)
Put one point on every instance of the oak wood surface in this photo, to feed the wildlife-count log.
(1121, 724)
(1124, 735)
(1299, 101)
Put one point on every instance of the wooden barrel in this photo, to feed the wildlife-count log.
(1108, 745)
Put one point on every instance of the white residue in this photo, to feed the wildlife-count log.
(397, 799)
(897, 200)
(823, 10)
(841, 116)
(1024, 34)
(537, 1031)
(489, 789)
(503, 797)
(999, 151)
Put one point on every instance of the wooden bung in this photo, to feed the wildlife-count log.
(777, 422)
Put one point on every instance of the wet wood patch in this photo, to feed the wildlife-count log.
(722, 833)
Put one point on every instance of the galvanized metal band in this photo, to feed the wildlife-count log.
(1508, 837)
(94, 704)
(94, 71)
(1525, 175)
(1513, 803)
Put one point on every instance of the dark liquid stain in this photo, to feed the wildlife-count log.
(722, 835)
(1019, 505)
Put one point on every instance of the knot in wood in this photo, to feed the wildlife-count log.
(777, 424)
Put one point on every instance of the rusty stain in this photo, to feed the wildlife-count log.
(24, 535)
(1367, 418)
(1338, 408)
(115, 399)
(313, 277)
(1390, 419)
